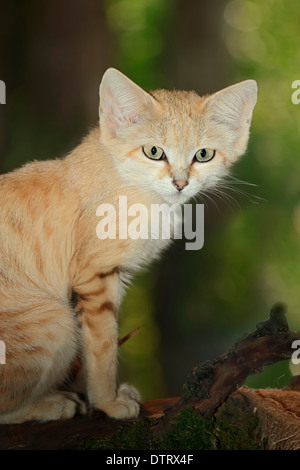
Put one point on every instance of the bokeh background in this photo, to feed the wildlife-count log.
(190, 305)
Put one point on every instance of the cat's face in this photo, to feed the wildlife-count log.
(174, 143)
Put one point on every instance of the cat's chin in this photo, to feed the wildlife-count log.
(177, 198)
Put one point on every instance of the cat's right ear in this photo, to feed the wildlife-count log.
(231, 110)
(122, 102)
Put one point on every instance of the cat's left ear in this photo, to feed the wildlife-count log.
(122, 102)
(231, 109)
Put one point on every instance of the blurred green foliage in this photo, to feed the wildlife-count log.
(141, 28)
(262, 37)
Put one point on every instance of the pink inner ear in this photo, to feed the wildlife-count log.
(116, 114)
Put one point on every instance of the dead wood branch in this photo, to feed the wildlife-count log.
(210, 383)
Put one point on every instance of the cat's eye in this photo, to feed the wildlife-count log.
(153, 152)
(204, 155)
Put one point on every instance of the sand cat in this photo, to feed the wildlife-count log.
(60, 284)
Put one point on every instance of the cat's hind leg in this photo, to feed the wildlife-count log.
(55, 406)
(41, 344)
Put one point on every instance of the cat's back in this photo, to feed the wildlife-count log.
(33, 181)
(34, 194)
(35, 218)
(32, 198)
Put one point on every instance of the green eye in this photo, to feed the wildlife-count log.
(153, 152)
(204, 155)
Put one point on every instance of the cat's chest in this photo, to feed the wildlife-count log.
(136, 237)
(144, 252)
(158, 236)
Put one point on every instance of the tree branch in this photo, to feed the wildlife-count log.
(210, 383)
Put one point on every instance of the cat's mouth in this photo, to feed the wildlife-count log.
(178, 197)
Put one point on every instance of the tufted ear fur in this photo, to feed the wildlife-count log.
(232, 108)
(122, 102)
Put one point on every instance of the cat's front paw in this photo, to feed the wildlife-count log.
(126, 405)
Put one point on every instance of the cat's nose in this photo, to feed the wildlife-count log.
(180, 184)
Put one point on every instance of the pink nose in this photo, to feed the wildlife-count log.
(180, 184)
